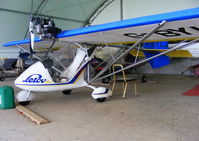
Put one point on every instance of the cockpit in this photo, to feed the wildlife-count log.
(63, 64)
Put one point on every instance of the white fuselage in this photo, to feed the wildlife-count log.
(37, 78)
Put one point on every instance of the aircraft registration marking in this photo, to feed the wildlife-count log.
(167, 32)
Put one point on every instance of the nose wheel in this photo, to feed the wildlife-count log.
(24, 97)
(24, 103)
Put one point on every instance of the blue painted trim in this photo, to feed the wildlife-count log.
(21, 42)
(146, 20)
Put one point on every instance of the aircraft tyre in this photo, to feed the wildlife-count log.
(143, 79)
(101, 99)
(2, 78)
(24, 97)
(105, 80)
(66, 92)
(24, 103)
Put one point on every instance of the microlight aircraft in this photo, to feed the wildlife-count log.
(58, 73)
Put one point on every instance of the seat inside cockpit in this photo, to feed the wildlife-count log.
(68, 62)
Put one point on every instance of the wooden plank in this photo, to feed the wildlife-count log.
(30, 114)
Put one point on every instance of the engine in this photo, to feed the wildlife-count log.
(44, 27)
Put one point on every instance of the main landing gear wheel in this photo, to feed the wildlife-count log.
(66, 92)
(105, 80)
(24, 103)
(101, 99)
(143, 79)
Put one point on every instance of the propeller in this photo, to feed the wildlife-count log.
(43, 27)
(30, 30)
(31, 33)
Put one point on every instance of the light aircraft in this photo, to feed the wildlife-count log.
(56, 74)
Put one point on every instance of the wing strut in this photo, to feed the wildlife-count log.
(128, 50)
(145, 60)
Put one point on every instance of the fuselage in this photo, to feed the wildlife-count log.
(37, 78)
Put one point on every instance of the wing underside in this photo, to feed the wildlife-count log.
(180, 25)
(178, 30)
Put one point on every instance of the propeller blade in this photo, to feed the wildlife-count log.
(32, 37)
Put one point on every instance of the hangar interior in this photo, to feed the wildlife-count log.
(80, 13)
(159, 112)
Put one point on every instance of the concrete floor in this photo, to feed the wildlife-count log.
(160, 113)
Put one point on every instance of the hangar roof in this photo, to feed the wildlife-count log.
(76, 12)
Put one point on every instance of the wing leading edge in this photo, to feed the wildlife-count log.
(180, 25)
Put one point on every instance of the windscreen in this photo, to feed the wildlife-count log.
(63, 57)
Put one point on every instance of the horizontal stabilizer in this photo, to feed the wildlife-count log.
(174, 54)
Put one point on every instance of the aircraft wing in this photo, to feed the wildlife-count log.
(180, 25)
(40, 45)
